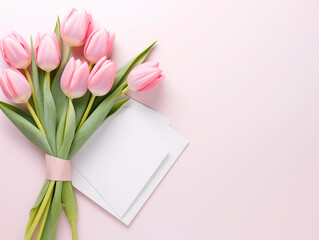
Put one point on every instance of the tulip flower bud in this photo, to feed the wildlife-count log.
(74, 80)
(15, 86)
(76, 27)
(98, 45)
(15, 51)
(47, 52)
(144, 76)
(102, 77)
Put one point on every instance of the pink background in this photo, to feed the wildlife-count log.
(242, 85)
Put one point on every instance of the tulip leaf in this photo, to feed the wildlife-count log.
(19, 111)
(117, 106)
(60, 99)
(37, 83)
(26, 127)
(49, 118)
(80, 105)
(69, 130)
(49, 231)
(34, 210)
(57, 31)
(122, 73)
(94, 121)
(60, 131)
(69, 203)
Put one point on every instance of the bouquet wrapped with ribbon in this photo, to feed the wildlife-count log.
(67, 100)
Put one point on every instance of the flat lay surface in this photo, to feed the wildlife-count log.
(242, 85)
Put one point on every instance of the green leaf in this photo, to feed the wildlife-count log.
(37, 83)
(122, 73)
(60, 130)
(80, 105)
(94, 121)
(49, 118)
(34, 210)
(49, 231)
(69, 130)
(58, 33)
(20, 112)
(117, 106)
(27, 128)
(59, 98)
(69, 203)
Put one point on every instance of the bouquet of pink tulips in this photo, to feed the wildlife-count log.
(67, 100)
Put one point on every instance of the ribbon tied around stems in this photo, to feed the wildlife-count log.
(58, 169)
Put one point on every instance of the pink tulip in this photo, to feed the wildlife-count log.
(15, 86)
(98, 45)
(102, 77)
(15, 51)
(144, 76)
(74, 80)
(76, 27)
(47, 52)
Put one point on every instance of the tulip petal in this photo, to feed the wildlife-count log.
(15, 54)
(75, 28)
(18, 85)
(140, 78)
(48, 52)
(67, 76)
(110, 45)
(97, 47)
(15, 86)
(98, 65)
(153, 84)
(102, 81)
(4, 86)
(79, 83)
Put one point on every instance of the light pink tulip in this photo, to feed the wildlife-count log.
(15, 86)
(15, 51)
(76, 27)
(74, 80)
(47, 52)
(102, 77)
(98, 45)
(144, 76)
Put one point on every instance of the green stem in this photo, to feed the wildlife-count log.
(91, 66)
(44, 219)
(74, 232)
(67, 114)
(87, 111)
(124, 91)
(44, 203)
(47, 76)
(36, 119)
(27, 73)
(67, 55)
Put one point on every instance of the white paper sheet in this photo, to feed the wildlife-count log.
(126, 209)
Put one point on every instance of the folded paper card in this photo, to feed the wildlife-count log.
(121, 180)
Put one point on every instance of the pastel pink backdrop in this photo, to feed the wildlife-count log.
(242, 85)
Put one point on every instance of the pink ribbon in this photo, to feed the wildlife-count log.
(58, 169)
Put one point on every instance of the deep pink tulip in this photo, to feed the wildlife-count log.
(102, 77)
(15, 51)
(144, 76)
(15, 86)
(98, 45)
(47, 52)
(74, 80)
(76, 27)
